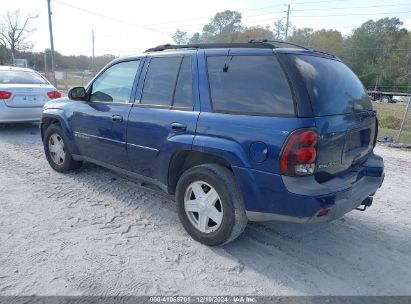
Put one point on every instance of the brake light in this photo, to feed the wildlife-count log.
(5, 95)
(54, 94)
(299, 153)
(323, 212)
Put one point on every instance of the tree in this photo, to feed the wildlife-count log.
(222, 27)
(302, 36)
(253, 33)
(375, 51)
(13, 33)
(279, 29)
(196, 38)
(180, 37)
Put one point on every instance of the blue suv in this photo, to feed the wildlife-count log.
(235, 132)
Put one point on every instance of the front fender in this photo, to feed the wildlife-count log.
(56, 114)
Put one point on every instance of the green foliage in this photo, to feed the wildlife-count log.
(180, 37)
(376, 51)
(252, 33)
(196, 38)
(223, 27)
(329, 41)
(390, 122)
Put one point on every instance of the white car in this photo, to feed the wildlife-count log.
(23, 93)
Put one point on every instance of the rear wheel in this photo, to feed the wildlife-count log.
(56, 150)
(210, 205)
(386, 99)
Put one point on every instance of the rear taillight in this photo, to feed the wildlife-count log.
(54, 94)
(299, 153)
(5, 95)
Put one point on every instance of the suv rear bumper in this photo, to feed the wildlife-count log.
(272, 197)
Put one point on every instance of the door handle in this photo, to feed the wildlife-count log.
(117, 118)
(177, 126)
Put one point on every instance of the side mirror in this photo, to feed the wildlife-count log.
(77, 93)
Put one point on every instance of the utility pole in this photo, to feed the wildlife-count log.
(92, 42)
(45, 63)
(287, 25)
(53, 63)
(404, 119)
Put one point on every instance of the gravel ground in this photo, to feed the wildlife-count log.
(92, 232)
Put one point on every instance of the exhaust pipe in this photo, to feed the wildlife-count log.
(366, 203)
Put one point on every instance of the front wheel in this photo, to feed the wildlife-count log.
(210, 205)
(56, 150)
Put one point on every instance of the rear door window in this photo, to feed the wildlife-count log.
(333, 88)
(249, 85)
(183, 96)
(160, 81)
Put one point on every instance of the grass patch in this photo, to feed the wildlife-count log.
(405, 135)
(390, 117)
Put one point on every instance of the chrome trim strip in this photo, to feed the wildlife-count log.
(143, 147)
(112, 140)
(99, 137)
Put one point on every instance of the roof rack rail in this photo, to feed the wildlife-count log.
(164, 47)
(273, 42)
(293, 44)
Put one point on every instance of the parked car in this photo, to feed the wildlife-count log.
(23, 93)
(236, 132)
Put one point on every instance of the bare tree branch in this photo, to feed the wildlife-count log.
(13, 32)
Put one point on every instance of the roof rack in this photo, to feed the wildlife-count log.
(210, 46)
(273, 42)
(252, 44)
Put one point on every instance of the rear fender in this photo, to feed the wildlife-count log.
(224, 148)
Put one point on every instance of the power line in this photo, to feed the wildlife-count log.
(111, 18)
(345, 15)
(198, 25)
(161, 30)
(351, 7)
(250, 10)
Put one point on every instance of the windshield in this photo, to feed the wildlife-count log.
(333, 88)
(21, 77)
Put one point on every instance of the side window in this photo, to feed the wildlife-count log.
(160, 81)
(249, 84)
(115, 84)
(183, 96)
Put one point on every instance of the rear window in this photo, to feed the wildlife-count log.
(249, 85)
(21, 77)
(333, 88)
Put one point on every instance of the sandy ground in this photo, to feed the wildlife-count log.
(94, 233)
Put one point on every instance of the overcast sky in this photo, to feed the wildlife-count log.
(124, 27)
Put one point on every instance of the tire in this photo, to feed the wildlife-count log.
(210, 188)
(61, 159)
(386, 99)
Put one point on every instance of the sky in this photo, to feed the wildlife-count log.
(125, 27)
